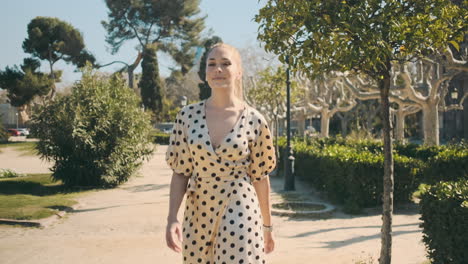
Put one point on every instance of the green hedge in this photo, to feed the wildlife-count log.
(160, 138)
(350, 172)
(353, 177)
(444, 210)
(450, 164)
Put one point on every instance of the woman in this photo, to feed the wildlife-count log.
(219, 149)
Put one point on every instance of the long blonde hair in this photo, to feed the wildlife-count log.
(238, 91)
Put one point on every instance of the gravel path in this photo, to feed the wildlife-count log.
(127, 224)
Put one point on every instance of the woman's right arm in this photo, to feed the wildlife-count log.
(176, 195)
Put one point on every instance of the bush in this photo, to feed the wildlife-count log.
(450, 164)
(7, 173)
(97, 136)
(444, 211)
(354, 177)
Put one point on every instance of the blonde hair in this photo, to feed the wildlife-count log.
(238, 91)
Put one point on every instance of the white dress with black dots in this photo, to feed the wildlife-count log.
(222, 219)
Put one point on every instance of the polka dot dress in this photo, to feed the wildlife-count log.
(222, 219)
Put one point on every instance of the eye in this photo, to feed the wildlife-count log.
(226, 63)
(211, 64)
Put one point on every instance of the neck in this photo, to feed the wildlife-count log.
(221, 99)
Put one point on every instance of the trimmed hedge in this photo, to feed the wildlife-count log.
(444, 210)
(350, 172)
(160, 138)
(353, 177)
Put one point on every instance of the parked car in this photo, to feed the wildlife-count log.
(23, 131)
(13, 132)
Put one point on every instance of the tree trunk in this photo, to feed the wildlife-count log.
(386, 235)
(324, 123)
(132, 68)
(400, 126)
(344, 126)
(52, 76)
(301, 124)
(431, 124)
(23, 114)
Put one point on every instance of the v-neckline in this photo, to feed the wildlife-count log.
(229, 131)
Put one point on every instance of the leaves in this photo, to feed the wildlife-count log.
(97, 136)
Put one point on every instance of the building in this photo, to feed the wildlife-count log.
(8, 115)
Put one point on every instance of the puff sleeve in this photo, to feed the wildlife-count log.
(178, 155)
(262, 152)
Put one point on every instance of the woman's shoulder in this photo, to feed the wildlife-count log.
(253, 113)
(193, 107)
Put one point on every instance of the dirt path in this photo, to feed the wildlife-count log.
(127, 224)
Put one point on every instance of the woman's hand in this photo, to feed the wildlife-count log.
(269, 242)
(174, 236)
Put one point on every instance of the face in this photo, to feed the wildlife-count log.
(222, 68)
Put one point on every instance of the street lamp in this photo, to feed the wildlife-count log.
(16, 120)
(289, 159)
(454, 94)
(183, 101)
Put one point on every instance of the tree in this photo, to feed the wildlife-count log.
(327, 96)
(24, 85)
(204, 87)
(150, 85)
(97, 136)
(52, 40)
(170, 26)
(419, 85)
(365, 37)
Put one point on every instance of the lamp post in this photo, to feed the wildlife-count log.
(183, 101)
(289, 158)
(454, 94)
(16, 120)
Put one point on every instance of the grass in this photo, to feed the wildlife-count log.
(298, 206)
(27, 148)
(34, 196)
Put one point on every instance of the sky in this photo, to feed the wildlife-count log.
(232, 20)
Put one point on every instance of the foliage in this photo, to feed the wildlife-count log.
(323, 36)
(349, 170)
(150, 84)
(160, 138)
(7, 173)
(269, 90)
(97, 136)
(52, 39)
(205, 90)
(351, 174)
(172, 25)
(23, 86)
(450, 164)
(444, 211)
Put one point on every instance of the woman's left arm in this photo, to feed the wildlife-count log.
(262, 188)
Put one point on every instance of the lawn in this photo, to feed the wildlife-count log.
(27, 148)
(34, 196)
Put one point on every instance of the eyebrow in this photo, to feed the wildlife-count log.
(221, 59)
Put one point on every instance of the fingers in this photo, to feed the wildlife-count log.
(269, 246)
(174, 238)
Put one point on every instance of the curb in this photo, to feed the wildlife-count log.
(39, 223)
(323, 213)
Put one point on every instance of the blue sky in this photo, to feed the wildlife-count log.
(229, 19)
